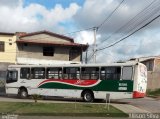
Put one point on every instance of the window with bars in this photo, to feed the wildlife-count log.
(48, 51)
(149, 64)
(2, 47)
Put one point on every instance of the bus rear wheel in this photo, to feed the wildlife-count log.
(23, 93)
(88, 96)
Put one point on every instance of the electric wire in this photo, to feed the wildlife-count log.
(130, 34)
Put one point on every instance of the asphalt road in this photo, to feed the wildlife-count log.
(149, 104)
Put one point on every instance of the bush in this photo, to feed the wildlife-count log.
(155, 92)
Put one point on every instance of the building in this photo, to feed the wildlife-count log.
(45, 47)
(153, 70)
(41, 47)
(7, 47)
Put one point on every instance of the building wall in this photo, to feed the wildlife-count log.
(36, 51)
(45, 37)
(154, 76)
(9, 55)
(77, 58)
(14, 51)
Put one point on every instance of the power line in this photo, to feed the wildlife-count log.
(86, 29)
(130, 34)
(130, 22)
(107, 18)
(88, 59)
(100, 25)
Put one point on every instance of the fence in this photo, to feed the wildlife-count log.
(2, 81)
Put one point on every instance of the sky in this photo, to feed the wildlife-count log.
(67, 16)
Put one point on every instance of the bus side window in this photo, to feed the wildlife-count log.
(54, 73)
(71, 73)
(127, 73)
(25, 73)
(90, 73)
(110, 73)
(38, 73)
(103, 74)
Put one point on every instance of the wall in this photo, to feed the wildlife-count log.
(46, 38)
(36, 51)
(9, 55)
(154, 76)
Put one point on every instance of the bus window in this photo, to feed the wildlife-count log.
(12, 76)
(71, 73)
(38, 73)
(25, 73)
(54, 73)
(127, 73)
(90, 73)
(110, 73)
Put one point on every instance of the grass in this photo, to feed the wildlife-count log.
(153, 93)
(59, 109)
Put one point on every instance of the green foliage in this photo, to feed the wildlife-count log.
(153, 92)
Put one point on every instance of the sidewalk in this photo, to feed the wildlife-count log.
(126, 108)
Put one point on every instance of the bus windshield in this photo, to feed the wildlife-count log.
(12, 76)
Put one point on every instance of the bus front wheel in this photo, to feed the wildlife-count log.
(23, 93)
(88, 96)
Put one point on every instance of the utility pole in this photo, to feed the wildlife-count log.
(86, 57)
(94, 49)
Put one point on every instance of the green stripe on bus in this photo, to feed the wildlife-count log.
(104, 85)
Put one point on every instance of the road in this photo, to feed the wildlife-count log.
(149, 104)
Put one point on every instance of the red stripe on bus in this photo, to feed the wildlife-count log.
(72, 81)
(137, 94)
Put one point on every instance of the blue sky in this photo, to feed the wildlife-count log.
(51, 3)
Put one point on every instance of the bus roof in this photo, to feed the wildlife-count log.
(78, 65)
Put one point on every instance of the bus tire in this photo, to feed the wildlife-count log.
(88, 96)
(23, 93)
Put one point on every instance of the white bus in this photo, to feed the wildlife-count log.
(91, 81)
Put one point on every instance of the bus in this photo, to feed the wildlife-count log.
(86, 81)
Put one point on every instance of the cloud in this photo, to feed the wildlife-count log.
(33, 17)
(10, 3)
(140, 44)
(85, 37)
(94, 12)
